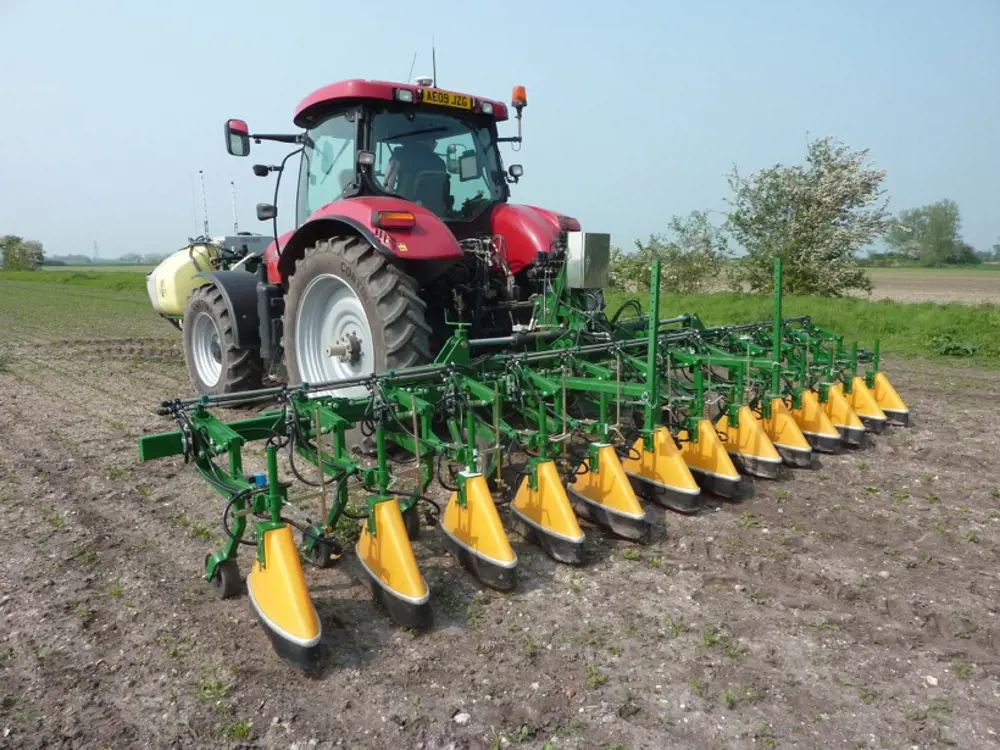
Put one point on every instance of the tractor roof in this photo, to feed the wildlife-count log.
(358, 89)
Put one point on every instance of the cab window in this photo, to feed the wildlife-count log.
(328, 163)
(445, 162)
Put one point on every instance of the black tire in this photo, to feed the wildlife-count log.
(241, 368)
(325, 554)
(400, 336)
(226, 580)
(411, 521)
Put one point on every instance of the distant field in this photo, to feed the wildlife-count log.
(970, 285)
(101, 268)
(103, 279)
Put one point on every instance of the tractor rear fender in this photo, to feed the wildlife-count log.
(527, 231)
(429, 239)
(239, 290)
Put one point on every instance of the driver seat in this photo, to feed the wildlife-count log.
(431, 189)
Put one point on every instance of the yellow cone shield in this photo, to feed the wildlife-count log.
(661, 474)
(844, 418)
(544, 514)
(816, 425)
(710, 462)
(391, 568)
(785, 435)
(862, 400)
(889, 401)
(280, 597)
(475, 535)
(605, 496)
(749, 445)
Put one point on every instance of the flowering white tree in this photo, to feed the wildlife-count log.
(690, 260)
(816, 216)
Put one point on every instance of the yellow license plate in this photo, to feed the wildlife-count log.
(447, 98)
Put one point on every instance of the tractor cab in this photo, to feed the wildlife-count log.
(447, 162)
(437, 149)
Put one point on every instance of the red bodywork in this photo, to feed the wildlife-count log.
(358, 88)
(527, 230)
(429, 239)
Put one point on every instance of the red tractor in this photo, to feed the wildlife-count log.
(403, 227)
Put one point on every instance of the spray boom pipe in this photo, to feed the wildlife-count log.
(652, 374)
(777, 308)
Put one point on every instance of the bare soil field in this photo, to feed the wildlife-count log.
(936, 285)
(853, 605)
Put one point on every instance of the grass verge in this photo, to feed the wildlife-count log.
(951, 330)
(114, 280)
(920, 328)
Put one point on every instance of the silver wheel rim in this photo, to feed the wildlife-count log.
(206, 349)
(330, 313)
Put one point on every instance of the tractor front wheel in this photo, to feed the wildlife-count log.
(215, 365)
(350, 312)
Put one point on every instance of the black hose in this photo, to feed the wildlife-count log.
(440, 478)
(225, 518)
(634, 303)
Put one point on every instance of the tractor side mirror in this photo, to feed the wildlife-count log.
(261, 170)
(237, 138)
(468, 166)
(451, 158)
(266, 211)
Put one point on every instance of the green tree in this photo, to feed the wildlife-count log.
(931, 234)
(10, 245)
(20, 254)
(690, 260)
(817, 216)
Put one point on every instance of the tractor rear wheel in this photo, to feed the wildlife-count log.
(215, 365)
(350, 312)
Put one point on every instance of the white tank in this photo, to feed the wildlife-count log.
(170, 284)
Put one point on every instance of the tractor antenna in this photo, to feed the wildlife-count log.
(236, 224)
(409, 77)
(434, 65)
(204, 201)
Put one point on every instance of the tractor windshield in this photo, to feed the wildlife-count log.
(448, 164)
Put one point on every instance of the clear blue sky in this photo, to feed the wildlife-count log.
(636, 109)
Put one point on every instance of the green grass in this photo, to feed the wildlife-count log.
(102, 268)
(117, 280)
(38, 311)
(902, 328)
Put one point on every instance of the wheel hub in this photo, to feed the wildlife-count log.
(347, 349)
